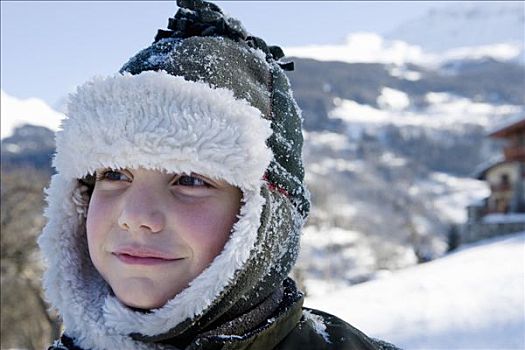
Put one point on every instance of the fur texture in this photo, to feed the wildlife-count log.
(160, 121)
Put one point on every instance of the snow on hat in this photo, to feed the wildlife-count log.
(205, 97)
(227, 57)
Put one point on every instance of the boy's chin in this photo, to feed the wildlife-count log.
(142, 299)
(142, 304)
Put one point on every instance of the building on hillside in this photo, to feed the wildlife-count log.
(504, 210)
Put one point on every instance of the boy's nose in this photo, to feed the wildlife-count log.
(153, 222)
(137, 216)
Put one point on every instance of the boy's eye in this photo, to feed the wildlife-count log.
(112, 175)
(186, 180)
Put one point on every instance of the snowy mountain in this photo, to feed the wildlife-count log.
(470, 299)
(362, 47)
(460, 31)
(27, 132)
(16, 112)
(465, 24)
(29, 146)
(373, 48)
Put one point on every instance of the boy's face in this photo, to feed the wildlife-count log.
(150, 233)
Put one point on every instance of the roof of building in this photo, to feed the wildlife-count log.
(509, 126)
(481, 170)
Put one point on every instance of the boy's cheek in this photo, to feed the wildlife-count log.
(93, 217)
(94, 237)
(100, 208)
(97, 222)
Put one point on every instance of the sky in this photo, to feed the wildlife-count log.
(50, 47)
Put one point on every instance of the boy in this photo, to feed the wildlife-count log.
(176, 210)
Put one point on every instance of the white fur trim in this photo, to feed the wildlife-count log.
(159, 121)
(147, 120)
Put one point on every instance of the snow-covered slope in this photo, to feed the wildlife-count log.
(471, 299)
(444, 111)
(465, 24)
(15, 112)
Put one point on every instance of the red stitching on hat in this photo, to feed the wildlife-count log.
(274, 187)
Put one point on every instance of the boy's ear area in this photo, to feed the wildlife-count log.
(88, 181)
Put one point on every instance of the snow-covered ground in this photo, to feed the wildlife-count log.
(470, 299)
(452, 194)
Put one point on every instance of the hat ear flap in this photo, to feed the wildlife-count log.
(286, 171)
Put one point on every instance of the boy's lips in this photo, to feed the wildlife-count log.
(144, 255)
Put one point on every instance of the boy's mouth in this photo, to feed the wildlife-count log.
(135, 260)
(143, 256)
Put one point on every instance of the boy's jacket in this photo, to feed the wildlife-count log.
(290, 327)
